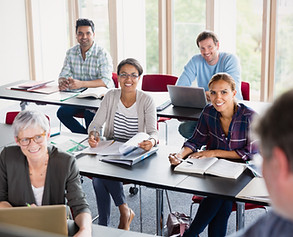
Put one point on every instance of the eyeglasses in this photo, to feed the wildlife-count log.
(125, 76)
(27, 140)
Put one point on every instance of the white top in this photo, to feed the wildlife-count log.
(38, 193)
(125, 122)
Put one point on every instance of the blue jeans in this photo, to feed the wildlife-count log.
(214, 212)
(65, 115)
(103, 189)
(186, 128)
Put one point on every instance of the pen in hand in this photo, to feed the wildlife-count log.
(188, 161)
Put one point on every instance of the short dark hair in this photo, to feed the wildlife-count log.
(275, 128)
(84, 22)
(130, 61)
(205, 35)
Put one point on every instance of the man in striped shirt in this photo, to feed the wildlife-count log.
(85, 65)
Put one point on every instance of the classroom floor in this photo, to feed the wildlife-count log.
(179, 201)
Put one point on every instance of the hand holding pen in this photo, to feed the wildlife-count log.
(94, 138)
(175, 159)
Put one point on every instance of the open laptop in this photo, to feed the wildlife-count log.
(187, 96)
(51, 218)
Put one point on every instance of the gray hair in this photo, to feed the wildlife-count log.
(30, 119)
(275, 128)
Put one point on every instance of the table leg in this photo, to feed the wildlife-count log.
(240, 215)
(159, 211)
(23, 104)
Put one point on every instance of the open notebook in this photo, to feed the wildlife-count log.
(50, 218)
(127, 153)
(213, 166)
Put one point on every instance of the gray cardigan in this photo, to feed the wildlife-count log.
(146, 110)
(62, 180)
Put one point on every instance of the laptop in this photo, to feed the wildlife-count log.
(187, 96)
(51, 218)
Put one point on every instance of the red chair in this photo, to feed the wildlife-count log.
(158, 83)
(245, 90)
(239, 220)
(10, 116)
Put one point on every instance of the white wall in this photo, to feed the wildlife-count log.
(225, 24)
(13, 41)
(50, 37)
(131, 38)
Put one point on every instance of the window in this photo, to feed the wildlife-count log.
(97, 11)
(284, 58)
(248, 43)
(152, 38)
(188, 21)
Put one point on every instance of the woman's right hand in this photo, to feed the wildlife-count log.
(94, 139)
(173, 158)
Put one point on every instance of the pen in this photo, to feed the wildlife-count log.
(28, 204)
(69, 97)
(95, 133)
(188, 161)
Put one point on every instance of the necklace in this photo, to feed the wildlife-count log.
(44, 170)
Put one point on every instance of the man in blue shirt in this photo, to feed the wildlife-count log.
(201, 67)
(85, 65)
(275, 132)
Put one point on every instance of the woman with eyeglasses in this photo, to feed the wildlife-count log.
(125, 112)
(34, 174)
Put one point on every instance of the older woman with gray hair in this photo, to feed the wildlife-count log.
(37, 174)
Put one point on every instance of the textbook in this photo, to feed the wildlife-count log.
(36, 86)
(213, 166)
(255, 190)
(127, 153)
(130, 159)
(116, 148)
(97, 92)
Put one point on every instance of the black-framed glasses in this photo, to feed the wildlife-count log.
(27, 140)
(125, 76)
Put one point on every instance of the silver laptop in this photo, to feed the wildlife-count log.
(187, 96)
(50, 218)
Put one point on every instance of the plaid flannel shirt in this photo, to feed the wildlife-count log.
(97, 65)
(209, 132)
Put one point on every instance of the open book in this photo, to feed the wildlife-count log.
(127, 153)
(212, 166)
(97, 92)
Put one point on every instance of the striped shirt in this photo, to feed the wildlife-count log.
(97, 65)
(209, 132)
(125, 122)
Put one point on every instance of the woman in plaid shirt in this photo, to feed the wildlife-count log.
(223, 128)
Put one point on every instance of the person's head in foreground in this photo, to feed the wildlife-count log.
(275, 131)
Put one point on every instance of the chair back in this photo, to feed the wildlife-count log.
(115, 79)
(157, 82)
(245, 90)
(10, 116)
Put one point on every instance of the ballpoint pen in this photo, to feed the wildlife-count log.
(188, 161)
